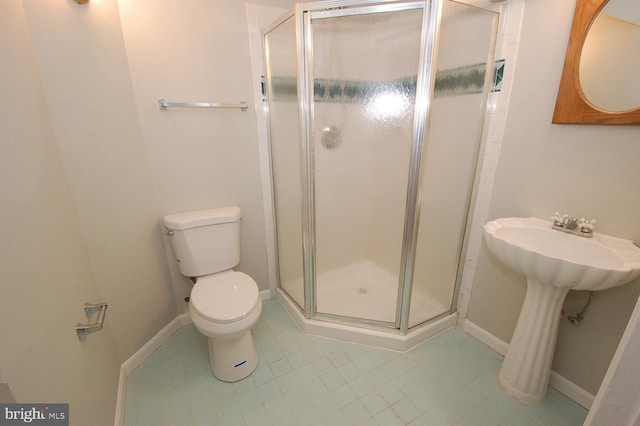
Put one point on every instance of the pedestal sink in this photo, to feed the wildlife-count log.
(554, 263)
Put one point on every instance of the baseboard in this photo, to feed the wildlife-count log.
(485, 337)
(138, 358)
(571, 390)
(558, 382)
(265, 294)
(154, 343)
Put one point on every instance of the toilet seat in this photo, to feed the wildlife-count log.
(224, 297)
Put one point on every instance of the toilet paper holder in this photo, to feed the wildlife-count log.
(84, 330)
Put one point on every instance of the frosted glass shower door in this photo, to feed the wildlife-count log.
(286, 155)
(363, 70)
(464, 70)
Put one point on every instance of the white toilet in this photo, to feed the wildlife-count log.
(224, 304)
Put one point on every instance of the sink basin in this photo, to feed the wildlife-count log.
(530, 247)
(553, 262)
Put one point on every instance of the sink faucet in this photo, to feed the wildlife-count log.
(570, 223)
(564, 223)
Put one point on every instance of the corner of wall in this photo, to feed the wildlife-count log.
(495, 123)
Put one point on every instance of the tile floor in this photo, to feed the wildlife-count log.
(307, 380)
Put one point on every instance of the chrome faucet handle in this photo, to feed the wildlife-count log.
(586, 226)
(557, 218)
(571, 225)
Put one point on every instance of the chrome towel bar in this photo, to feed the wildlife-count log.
(242, 106)
(84, 330)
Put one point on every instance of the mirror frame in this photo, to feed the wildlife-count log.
(572, 106)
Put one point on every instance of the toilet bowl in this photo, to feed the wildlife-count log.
(224, 304)
(224, 307)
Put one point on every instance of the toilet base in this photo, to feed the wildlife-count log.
(233, 359)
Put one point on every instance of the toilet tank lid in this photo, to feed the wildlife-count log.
(193, 219)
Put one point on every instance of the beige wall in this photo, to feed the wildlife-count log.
(587, 171)
(89, 167)
(47, 272)
(197, 158)
(84, 75)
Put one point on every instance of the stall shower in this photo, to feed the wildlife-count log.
(376, 115)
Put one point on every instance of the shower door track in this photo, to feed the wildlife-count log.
(373, 324)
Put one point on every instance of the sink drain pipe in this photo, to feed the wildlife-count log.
(578, 317)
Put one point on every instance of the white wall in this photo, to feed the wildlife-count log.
(84, 75)
(46, 270)
(89, 167)
(198, 158)
(587, 171)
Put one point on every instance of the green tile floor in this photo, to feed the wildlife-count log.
(307, 380)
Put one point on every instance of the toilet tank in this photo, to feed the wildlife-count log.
(205, 241)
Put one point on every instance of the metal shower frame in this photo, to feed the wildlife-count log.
(303, 13)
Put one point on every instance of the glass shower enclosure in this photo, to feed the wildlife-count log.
(376, 115)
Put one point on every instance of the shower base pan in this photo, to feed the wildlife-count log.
(363, 290)
(366, 291)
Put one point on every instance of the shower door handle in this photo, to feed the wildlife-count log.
(84, 330)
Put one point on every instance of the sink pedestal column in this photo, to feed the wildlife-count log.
(527, 365)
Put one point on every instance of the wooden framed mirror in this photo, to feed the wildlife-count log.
(572, 105)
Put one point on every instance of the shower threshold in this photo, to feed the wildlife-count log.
(385, 339)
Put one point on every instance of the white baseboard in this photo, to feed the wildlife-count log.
(558, 382)
(571, 390)
(138, 358)
(485, 337)
(154, 343)
(265, 294)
